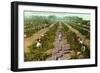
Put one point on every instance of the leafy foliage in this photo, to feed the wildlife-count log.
(82, 31)
(74, 44)
(37, 54)
(35, 23)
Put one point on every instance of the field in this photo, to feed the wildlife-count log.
(56, 37)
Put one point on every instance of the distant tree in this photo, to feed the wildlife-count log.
(74, 19)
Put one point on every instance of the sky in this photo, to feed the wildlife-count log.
(60, 14)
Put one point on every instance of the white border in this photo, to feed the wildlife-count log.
(22, 64)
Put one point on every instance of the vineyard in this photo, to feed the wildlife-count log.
(54, 38)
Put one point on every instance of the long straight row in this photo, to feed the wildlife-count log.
(82, 31)
(72, 39)
(39, 53)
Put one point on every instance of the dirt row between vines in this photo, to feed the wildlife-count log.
(82, 28)
(31, 40)
(61, 50)
(85, 41)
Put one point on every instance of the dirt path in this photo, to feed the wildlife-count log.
(85, 41)
(82, 28)
(61, 51)
(31, 40)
